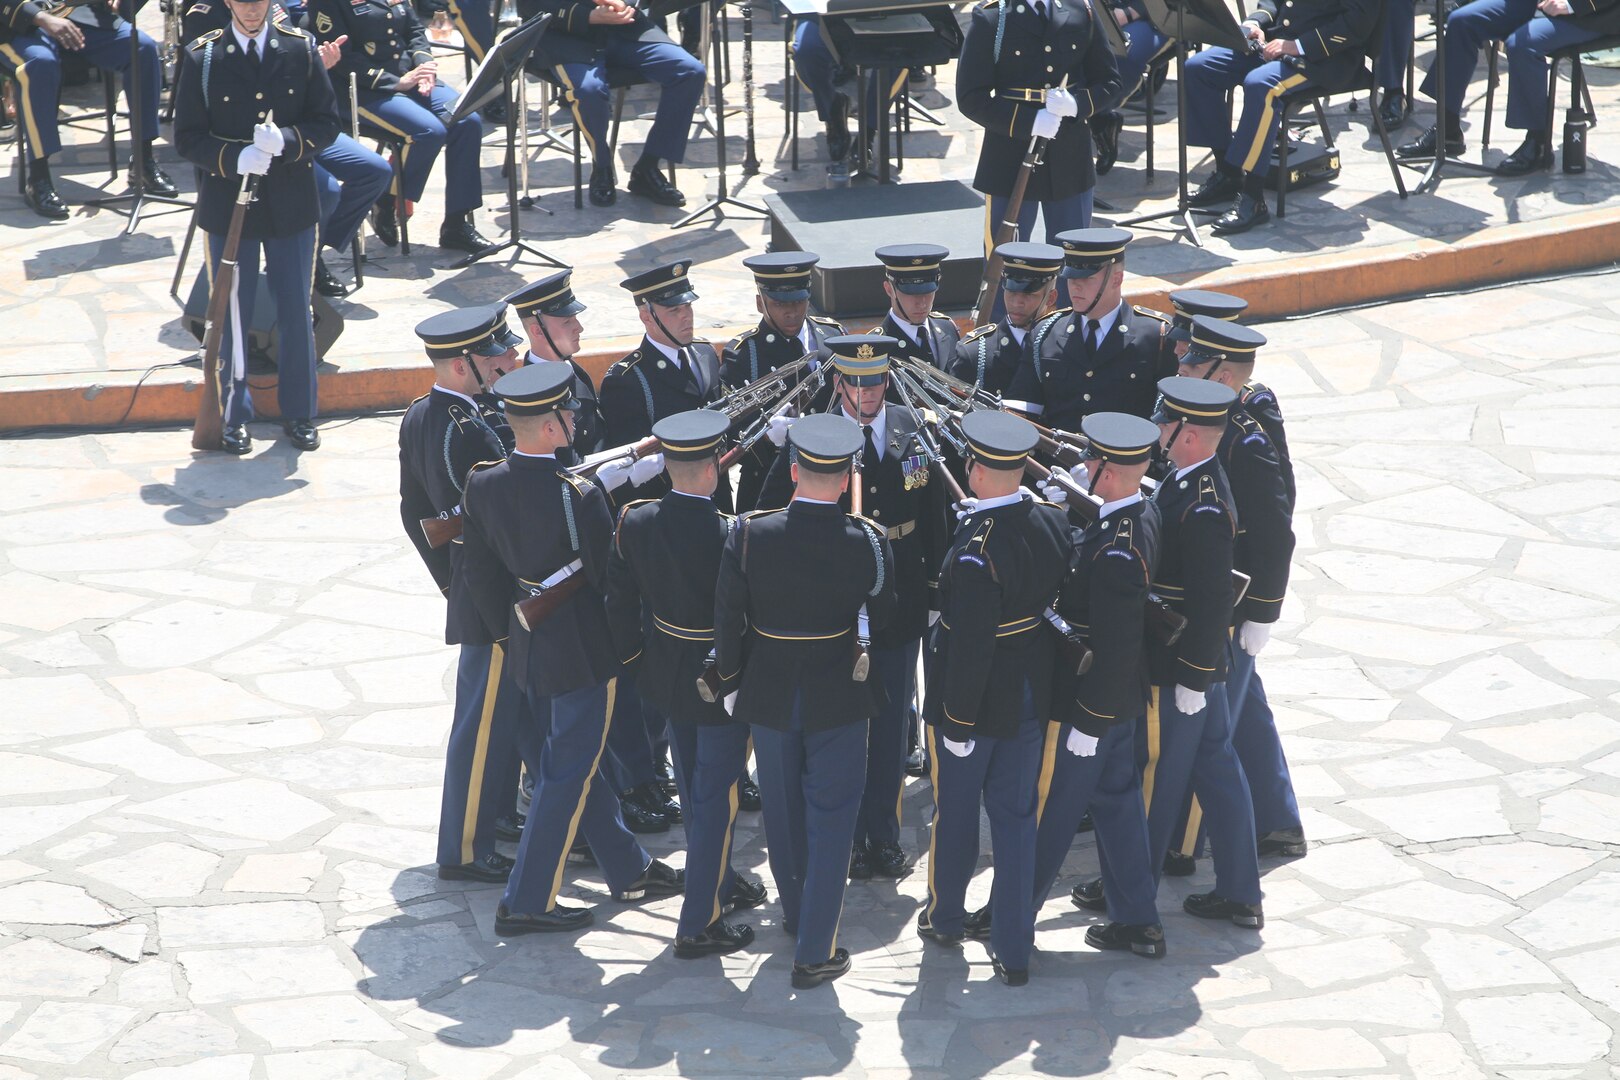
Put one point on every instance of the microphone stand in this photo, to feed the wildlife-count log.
(514, 232)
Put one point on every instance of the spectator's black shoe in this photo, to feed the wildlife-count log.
(1423, 146)
(1178, 865)
(1145, 941)
(604, 184)
(1220, 188)
(41, 196)
(659, 879)
(650, 183)
(1282, 844)
(325, 283)
(494, 112)
(302, 434)
(977, 924)
(718, 938)
(559, 919)
(1533, 154)
(492, 868)
(1395, 110)
(1105, 129)
(1089, 895)
(1215, 906)
(887, 860)
(860, 864)
(808, 976)
(384, 222)
(460, 234)
(747, 795)
(509, 827)
(1247, 212)
(925, 929)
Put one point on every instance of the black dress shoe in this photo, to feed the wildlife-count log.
(976, 924)
(1086, 824)
(493, 112)
(604, 184)
(1010, 976)
(925, 929)
(581, 852)
(325, 283)
(651, 183)
(1220, 188)
(747, 795)
(236, 440)
(1145, 941)
(559, 919)
(916, 762)
(666, 776)
(1105, 129)
(1178, 865)
(1282, 844)
(838, 137)
(745, 894)
(719, 938)
(1248, 211)
(887, 860)
(1423, 146)
(638, 817)
(154, 181)
(1394, 110)
(1089, 895)
(41, 196)
(509, 827)
(302, 434)
(659, 879)
(460, 234)
(384, 222)
(807, 976)
(1533, 154)
(860, 864)
(654, 797)
(1215, 906)
(493, 868)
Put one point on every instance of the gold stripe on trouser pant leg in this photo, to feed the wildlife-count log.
(573, 106)
(584, 792)
(1043, 788)
(26, 97)
(725, 853)
(899, 84)
(466, 32)
(404, 157)
(475, 781)
(933, 833)
(1252, 159)
(1152, 748)
(1195, 817)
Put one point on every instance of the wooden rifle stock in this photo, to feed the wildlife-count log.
(208, 430)
(708, 680)
(442, 528)
(634, 451)
(537, 608)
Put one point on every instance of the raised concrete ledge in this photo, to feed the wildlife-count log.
(1571, 242)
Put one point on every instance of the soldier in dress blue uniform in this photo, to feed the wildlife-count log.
(988, 356)
(831, 86)
(548, 310)
(1100, 354)
(33, 35)
(1188, 722)
(530, 526)
(786, 331)
(1294, 47)
(785, 656)
(911, 280)
(1187, 303)
(902, 496)
(400, 93)
(1028, 66)
(444, 434)
(586, 40)
(232, 82)
(660, 596)
(990, 670)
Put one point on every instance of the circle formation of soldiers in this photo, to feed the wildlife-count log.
(1077, 520)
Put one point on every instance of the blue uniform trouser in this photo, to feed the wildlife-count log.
(476, 21)
(1389, 70)
(481, 755)
(629, 761)
(1467, 30)
(1059, 215)
(810, 790)
(896, 671)
(290, 268)
(349, 178)
(820, 74)
(1259, 750)
(1210, 74)
(1004, 775)
(34, 60)
(680, 79)
(1527, 49)
(1108, 785)
(570, 795)
(708, 758)
(1196, 751)
(1143, 44)
(421, 122)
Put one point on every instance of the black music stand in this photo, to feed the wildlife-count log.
(1208, 22)
(494, 77)
(722, 193)
(1432, 174)
(137, 196)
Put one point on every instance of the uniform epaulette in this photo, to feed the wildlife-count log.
(199, 9)
(1258, 392)
(1058, 314)
(424, 397)
(632, 504)
(289, 28)
(824, 320)
(940, 315)
(627, 363)
(742, 337)
(864, 520)
(978, 332)
(988, 4)
(578, 483)
(204, 39)
(1150, 313)
(750, 515)
(483, 465)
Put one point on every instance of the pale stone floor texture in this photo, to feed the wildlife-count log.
(226, 696)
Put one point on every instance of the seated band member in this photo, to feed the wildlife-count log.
(33, 37)
(911, 280)
(548, 311)
(590, 38)
(1144, 45)
(831, 87)
(1297, 45)
(1532, 29)
(1389, 69)
(988, 356)
(400, 93)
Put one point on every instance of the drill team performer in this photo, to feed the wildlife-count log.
(989, 355)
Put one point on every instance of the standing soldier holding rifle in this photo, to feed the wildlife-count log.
(537, 541)
(988, 357)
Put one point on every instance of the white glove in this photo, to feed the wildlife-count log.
(777, 429)
(613, 474)
(1080, 744)
(1053, 492)
(1189, 701)
(966, 508)
(960, 749)
(1081, 476)
(1046, 124)
(252, 161)
(933, 617)
(1252, 637)
(268, 137)
(731, 703)
(644, 469)
(1061, 102)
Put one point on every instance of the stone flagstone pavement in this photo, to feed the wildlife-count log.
(226, 695)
